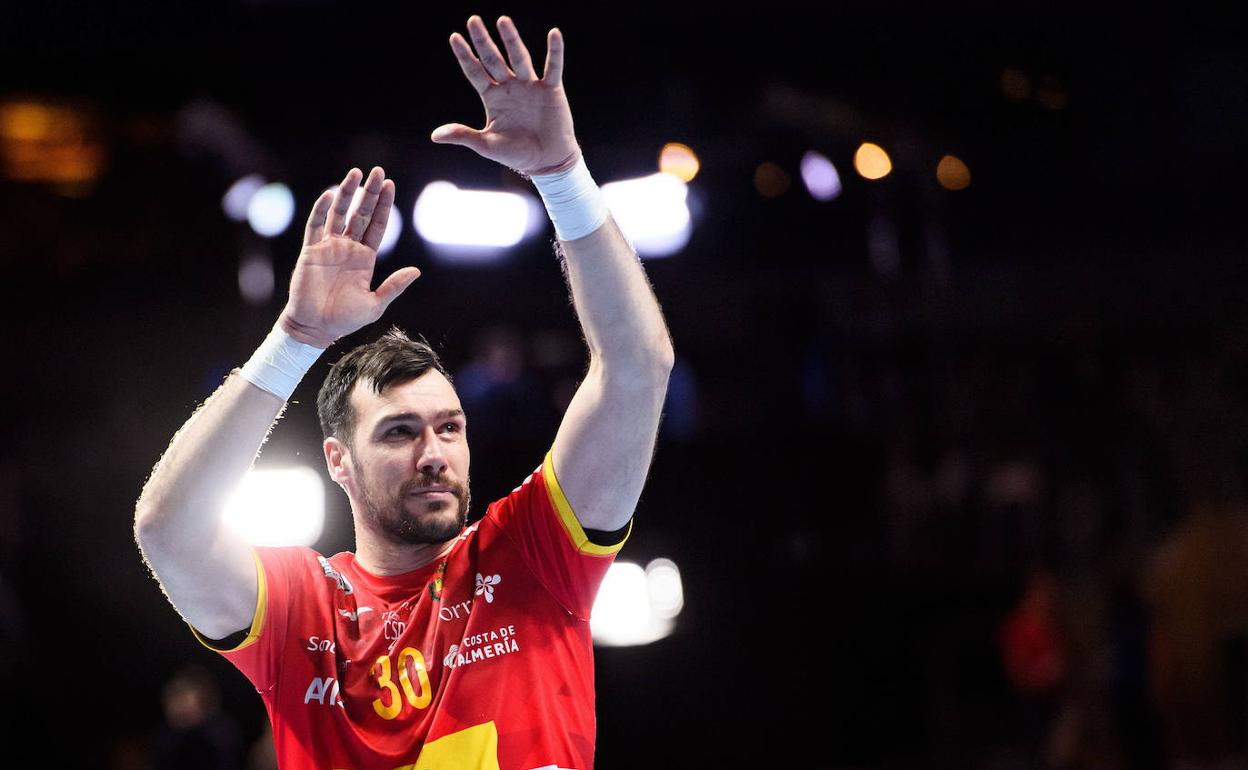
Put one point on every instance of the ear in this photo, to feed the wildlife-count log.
(338, 462)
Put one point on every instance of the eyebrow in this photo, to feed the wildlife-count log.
(413, 417)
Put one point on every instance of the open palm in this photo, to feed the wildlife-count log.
(528, 123)
(331, 291)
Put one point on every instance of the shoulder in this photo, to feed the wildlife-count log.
(292, 564)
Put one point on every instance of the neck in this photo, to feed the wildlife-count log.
(384, 557)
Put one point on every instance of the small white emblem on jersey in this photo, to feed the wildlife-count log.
(485, 585)
(354, 615)
(449, 660)
(335, 575)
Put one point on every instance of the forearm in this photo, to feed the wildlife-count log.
(618, 311)
(181, 503)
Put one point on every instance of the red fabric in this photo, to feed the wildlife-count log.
(500, 625)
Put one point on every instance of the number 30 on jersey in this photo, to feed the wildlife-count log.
(416, 698)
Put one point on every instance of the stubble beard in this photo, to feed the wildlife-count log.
(392, 518)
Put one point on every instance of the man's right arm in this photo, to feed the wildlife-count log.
(207, 571)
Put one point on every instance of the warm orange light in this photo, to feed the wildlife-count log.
(872, 162)
(48, 143)
(770, 180)
(679, 160)
(952, 173)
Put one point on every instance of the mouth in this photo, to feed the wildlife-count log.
(430, 491)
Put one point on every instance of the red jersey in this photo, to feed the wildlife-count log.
(482, 659)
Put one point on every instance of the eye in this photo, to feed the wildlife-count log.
(398, 429)
(452, 427)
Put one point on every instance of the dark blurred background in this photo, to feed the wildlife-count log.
(955, 478)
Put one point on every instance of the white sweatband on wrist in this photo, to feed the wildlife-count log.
(279, 363)
(574, 202)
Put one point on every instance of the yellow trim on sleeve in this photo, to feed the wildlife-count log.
(572, 525)
(257, 619)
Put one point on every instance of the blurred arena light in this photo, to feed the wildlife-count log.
(652, 212)
(270, 210)
(680, 161)
(277, 507)
(637, 606)
(872, 162)
(394, 226)
(47, 142)
(770, 180)
(820, 177)
(952, 173)
(255, 278)
(469, 226)
(236, 199)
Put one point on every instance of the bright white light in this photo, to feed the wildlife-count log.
(394, 226)
(238, 197)
(822, 181)
(445, 215)
(667, 594)
(255, 278)
(652, 212)
(278, 507)
(270, 210)
(625, 614)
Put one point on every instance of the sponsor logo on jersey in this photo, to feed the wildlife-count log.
(323, 691)
(335, 575)
(356, 613)
(319, 644)
(485, 586)
(455, 611)
(489, 644)
(393, 626)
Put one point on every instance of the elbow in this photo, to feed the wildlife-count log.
(659, 357)
(145, 525)
(664, 355)
(150, 523)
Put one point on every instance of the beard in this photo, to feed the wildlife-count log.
(436, 519)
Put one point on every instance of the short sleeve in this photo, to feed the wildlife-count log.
(537, 517)
(256, 654)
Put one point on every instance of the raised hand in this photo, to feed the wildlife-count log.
(330, 291)
(528, 124)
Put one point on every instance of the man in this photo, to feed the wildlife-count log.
(434, 645)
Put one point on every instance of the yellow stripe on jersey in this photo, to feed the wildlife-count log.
(571, 524)
(257, 619)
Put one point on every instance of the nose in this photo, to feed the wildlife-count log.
(432, 461)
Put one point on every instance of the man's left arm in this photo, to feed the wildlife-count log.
(603, 449)
(604, 446)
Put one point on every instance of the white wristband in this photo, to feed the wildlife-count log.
(279, 363)
(574, 202)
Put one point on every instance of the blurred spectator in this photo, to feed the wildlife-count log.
(1030, 645)
(502, 399)
(1199, 600)
(196, 735)
(263, 754)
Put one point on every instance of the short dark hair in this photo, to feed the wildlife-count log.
(394, 357)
